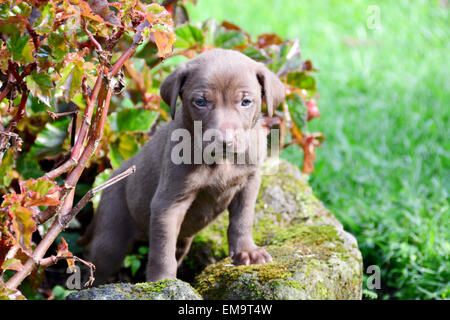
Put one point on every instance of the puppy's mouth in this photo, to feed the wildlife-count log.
(220, 149)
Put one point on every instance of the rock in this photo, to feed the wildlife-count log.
(313, 257)
(161, 290)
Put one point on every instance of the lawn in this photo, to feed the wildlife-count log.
(384, 169)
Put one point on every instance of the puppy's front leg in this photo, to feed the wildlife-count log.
(165, 221)
(240, 239)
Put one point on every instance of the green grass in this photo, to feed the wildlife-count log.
(385, 105)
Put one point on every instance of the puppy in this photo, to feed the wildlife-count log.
(168, 201)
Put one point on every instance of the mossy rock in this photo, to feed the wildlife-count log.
(161, 290)
(313, 257)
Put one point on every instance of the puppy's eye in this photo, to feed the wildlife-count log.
(200, 102)
(246, 102)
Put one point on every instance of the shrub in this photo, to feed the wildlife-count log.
(79, 95)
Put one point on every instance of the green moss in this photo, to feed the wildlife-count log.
(300, 247)
(310, 235)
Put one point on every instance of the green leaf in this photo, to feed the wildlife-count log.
(20, 48)
(70, 81)
(303, 81)
(49, 141)
(28, 167)
(286, 57)
(12, 264)
(143, 250)
(61, 293)
(188, 36)
(148, 51)
(40, 85)
(123, 149)
(5, 11)
(132, 261)
(254, 53)
(35, 105)
(297, 110)
(57, 41)
(37, 189)
(44, 23)
(130, 119)
(7, 169)
(229, 39)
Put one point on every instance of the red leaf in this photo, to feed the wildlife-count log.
(63, 251)
(268, 39)
(310, 142)
(87, 12)
(164, 41)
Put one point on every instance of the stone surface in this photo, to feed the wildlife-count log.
(314, 258)
(161, 290)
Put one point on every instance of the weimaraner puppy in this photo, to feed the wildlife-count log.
(167, 202)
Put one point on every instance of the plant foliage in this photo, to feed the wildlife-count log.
(80, 94)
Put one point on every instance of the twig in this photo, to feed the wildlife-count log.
(64, 220)
(137, 40)
(59, 225)
(65, 210)
(5, 91)
(54, 115)
(97, 45)
(45, 262)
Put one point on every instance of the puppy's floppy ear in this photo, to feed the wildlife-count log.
(172, 85)
(272, 88)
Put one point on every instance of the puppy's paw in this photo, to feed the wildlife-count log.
(255, 256)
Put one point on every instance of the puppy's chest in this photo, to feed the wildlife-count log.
(221, 187)
(223, 177)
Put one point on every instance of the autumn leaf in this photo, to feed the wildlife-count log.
(12, 264)
(23, 226)
(63, 251)
(268, 39)
(310, 142)
(40, 192)
(87, 12)
(164, 41)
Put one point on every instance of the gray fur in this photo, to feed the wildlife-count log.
(168, 204)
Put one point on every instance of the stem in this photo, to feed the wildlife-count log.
(41, 249)
(5, 92)
(65, 211)
(82, 133)
(58, 226)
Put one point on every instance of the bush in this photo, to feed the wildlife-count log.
(79, 95)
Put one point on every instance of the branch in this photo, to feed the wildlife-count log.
(65, 210)
(45, 262)
(54, 115)
(56, 228)
(5, 91)
(137, 40)
(97, 45)
(64, 220)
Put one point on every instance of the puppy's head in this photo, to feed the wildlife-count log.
(223, 89)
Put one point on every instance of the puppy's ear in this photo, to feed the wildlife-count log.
(272, 88)
(171, 87)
